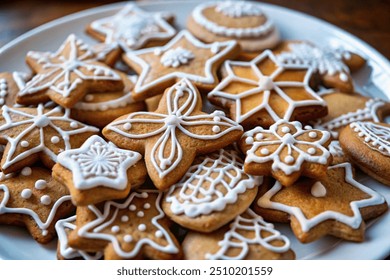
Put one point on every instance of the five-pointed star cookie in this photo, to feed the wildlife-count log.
(132, 229)
(32, 133)
(182, 57)
(34, 200)
(336, 205)
(174, 134)
(133, 28)
(263, 91)
(67, 75)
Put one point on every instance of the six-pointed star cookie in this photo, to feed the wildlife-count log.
(132, 229)
(99, 171)
(34, 200)
(67, 75)
(174, 134)
(286, 151)
(336, 205)
(32, 133)
(262, 91)
(182, 57)
(133, 28)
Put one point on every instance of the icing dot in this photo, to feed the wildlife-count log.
(308, 127)
(74, 125)
(24, 144)
(89, 97)
(217, 119)
(318, 190)
(45, 200)
(289, 159)
(172, 120)
(312, 134)
(115, 229)
(3, 86)
(26, 193)
(157, 51)
(41, 121)
(264, 151)
(142, 227)
(216, 129)
(285, 129)
(140, 214)
(127, 126)
(259, 136)
(249, 140)
(3, 93)
(146, 206)
(158, 234)
(124, 218)
(55, 139)
(26, 171)
(44, 232)
(2, 101)
(40, 184)
(311, 151)
(343, 77)
(144, 195)
(127, 238)
(132, 207)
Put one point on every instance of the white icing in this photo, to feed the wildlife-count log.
(211, 185)
(201, 19)
(45, 200)
(98, 163)
(176, 57)
(115, 229)
(125, 219)
(318, 189)
(179, 117)
(254, 225)
(40, 184)
(335, 149)
(237, 9)
(26, 171)
(3, 91)
(53, 118)
(26, 193)
(61, 67)
(132, 27)
(257, 88)
(354, 220)
(375, 135)
(288, 141)
(104, 220)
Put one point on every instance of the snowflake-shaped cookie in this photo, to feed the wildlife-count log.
(263, 91)
(171, 136)
(286, 150)
(67, 75)
(38, 132)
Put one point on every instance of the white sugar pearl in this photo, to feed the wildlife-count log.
(216, 129)
(40, 184)
(142, 227)
(264, 151)
(74, 125)
(26, 193)
(45, 200)
(158, 234)
(127, 126)
(55, 139)
(24, 144)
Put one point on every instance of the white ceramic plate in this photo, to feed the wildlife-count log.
(373, 80)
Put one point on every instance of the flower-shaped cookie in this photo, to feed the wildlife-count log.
(286, 151)
(174, 134)
(263, 91)
(67, 75)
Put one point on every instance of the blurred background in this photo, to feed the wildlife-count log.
(368, 20)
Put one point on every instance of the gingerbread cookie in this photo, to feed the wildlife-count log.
(338, 155)
(336, 205)
(99, 109)
(248, 237)
(182, 57)
(10, 85)
(286, 151)
(234, 20)
(345, 108)
(67, 75)
(367, 145)
(133, 28)
(38, 133)
(263, 91)
(213, 192)
(34, 200)
(331, 64)
(132, 229)
(174, 134)
(99, 171)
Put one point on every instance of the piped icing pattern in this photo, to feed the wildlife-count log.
(335, 149)
(128, 242)
(246, 230)
(210, 185)
(374, 135)
(297, 144)
(266, 86)
(98, 163)
(238, 9)
(176, 57)
(23, 126)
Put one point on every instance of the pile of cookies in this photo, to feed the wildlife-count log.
(157, 143)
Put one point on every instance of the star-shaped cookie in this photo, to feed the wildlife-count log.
(67, 75)
(263, 91)
(33, 133)
(34, 200)
(182, 57)
(336, 205)
(174, 134)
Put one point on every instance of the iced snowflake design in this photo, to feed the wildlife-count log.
(210, 185)
(21, 127)
(375, 135)
(182, 101)
(266, 87)
(98, 163)
(287, 138)
(246, 230)
(64, 71)
(176, 57)
(236, 9)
